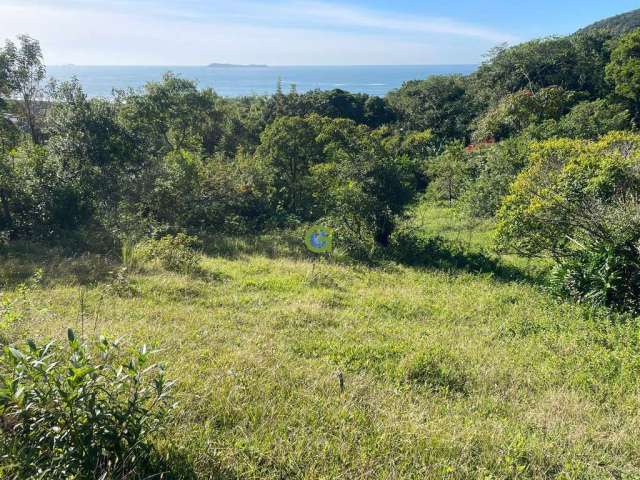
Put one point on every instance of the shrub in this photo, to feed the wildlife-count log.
(76, 413)
(494, 169)
(608, 277)
(175, 253)
(580, 203)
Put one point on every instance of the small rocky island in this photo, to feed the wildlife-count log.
(231, 65)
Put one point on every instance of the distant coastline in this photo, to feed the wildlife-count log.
(378, 80)
(233, 65)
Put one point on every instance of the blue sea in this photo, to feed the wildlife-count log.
(99, 81)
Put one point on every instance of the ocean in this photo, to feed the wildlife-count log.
(99, 81)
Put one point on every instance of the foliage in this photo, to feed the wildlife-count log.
(361, 186)
(449, 173)
(288, 149)
(519, 110)
(588, 120)
(441, 104)
(176, 253)
(617, 25)
(624, 69)
(493, 169)
(77, 412)
(25, 73)
(609, 276)
(574, 63)
(578, 201)
(361, 108)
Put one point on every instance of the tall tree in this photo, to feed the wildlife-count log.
(624, 70)
(26, 71)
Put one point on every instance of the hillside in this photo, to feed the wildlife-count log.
(618, 25)
(447, 374)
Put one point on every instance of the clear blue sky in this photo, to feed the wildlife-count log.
(290, 32)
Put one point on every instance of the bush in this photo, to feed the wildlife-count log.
(607, 277)
(578, 202)
(75, 413)
(175, 253)
(494, 167)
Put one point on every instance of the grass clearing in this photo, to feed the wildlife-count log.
(447, 374)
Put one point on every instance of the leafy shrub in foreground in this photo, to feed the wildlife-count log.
(607, 277)
(75, 412)
(175, 253)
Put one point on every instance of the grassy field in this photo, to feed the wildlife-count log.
(447, 374)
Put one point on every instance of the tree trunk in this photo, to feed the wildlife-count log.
(6, 211)
(31, 120)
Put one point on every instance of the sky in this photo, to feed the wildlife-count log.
(290, 32)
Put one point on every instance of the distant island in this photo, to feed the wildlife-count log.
(231, 65)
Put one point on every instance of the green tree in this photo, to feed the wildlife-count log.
(288, 148)
(517, 111)
(26, 71)
(578, 202)
(440, 104)
(172, 115)
(575, 63)
(362, 186)
(449, 173)
(493, 168)
(624, 70)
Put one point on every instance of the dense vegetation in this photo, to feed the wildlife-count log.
(537, 148)
(617, 25)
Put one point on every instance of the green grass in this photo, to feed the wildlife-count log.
(447, 375)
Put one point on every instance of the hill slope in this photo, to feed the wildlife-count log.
(447, 374)
(618, 25)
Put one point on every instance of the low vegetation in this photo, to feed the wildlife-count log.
(448, 371)
(78, 413)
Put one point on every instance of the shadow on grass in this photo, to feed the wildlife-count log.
(438, 253)
(276, 245)
(22, 262)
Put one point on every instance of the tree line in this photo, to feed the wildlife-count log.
(540, 137)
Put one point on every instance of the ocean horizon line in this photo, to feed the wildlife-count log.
(267, 65)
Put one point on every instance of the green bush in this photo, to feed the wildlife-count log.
(577, 201)
(176, 253)
(608, 277)
(76, 412)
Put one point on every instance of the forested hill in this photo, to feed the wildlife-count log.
(618, 25)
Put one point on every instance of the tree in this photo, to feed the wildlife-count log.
(624, 70)
(172, 115)
(440, 103)
(449, 172)
(574, 63)
(578, 202)
(26, 71)
(493, 168)
(591, 120)
(517, 111)
(288, 148)
(361, 186)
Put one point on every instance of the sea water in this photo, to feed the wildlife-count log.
(100, 81)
